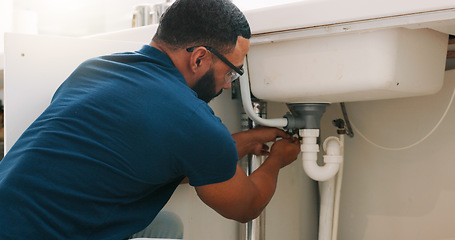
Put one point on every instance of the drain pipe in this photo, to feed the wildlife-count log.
(248, 106)
(310, 150)
(337, 196)
(333, 146)
(327, 209)
(328, 218)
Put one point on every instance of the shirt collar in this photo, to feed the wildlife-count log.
(153, 52)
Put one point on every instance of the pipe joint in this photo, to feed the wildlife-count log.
(294, 122)
(247, 105)
(332, 161)
(309, 133)
(309, 148)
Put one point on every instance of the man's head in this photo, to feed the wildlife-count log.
(213, 35)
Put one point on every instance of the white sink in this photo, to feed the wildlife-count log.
(356, 66)
(359, 66)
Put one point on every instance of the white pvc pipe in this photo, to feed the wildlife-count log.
(329, 185)
(310, 150)
(330, 192)
(248, 106)
(338, 194)
(326, 213)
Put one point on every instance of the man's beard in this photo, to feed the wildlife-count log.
(206, 88)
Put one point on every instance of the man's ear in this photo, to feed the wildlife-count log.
(200, 59)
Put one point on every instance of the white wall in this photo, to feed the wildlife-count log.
(406, 194)
(6, 22)
(81, 17)
(88, 17)
(253, 4)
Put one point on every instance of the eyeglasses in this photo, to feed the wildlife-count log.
(232, 75)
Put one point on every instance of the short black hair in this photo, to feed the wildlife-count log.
(214, 23)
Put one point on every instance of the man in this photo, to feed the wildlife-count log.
(124, 130)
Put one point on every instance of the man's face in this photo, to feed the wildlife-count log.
(206, 87)
(213, 82)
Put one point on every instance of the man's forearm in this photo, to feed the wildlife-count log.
(243, 143)
(265, 180)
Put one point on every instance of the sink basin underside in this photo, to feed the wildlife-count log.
(361, 66)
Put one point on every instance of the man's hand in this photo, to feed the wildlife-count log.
(285, 150)
(243, 197)
(253, 141)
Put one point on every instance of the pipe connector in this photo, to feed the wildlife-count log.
(248, 106)
(332, 146)
(305, 115)
(310, 149)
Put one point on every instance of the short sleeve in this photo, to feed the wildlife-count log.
(207, 152)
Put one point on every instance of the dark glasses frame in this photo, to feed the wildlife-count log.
(220, 56)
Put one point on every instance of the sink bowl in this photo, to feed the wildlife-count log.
(360, 66)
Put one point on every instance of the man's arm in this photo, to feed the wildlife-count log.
(243, 197)
(252, 141)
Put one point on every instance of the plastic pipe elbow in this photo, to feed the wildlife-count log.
(320, 173)
(248, 106)
(332, 146)
(309, 148)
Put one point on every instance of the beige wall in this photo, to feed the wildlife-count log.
(407, 194)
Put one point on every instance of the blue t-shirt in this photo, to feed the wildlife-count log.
(118, 137)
